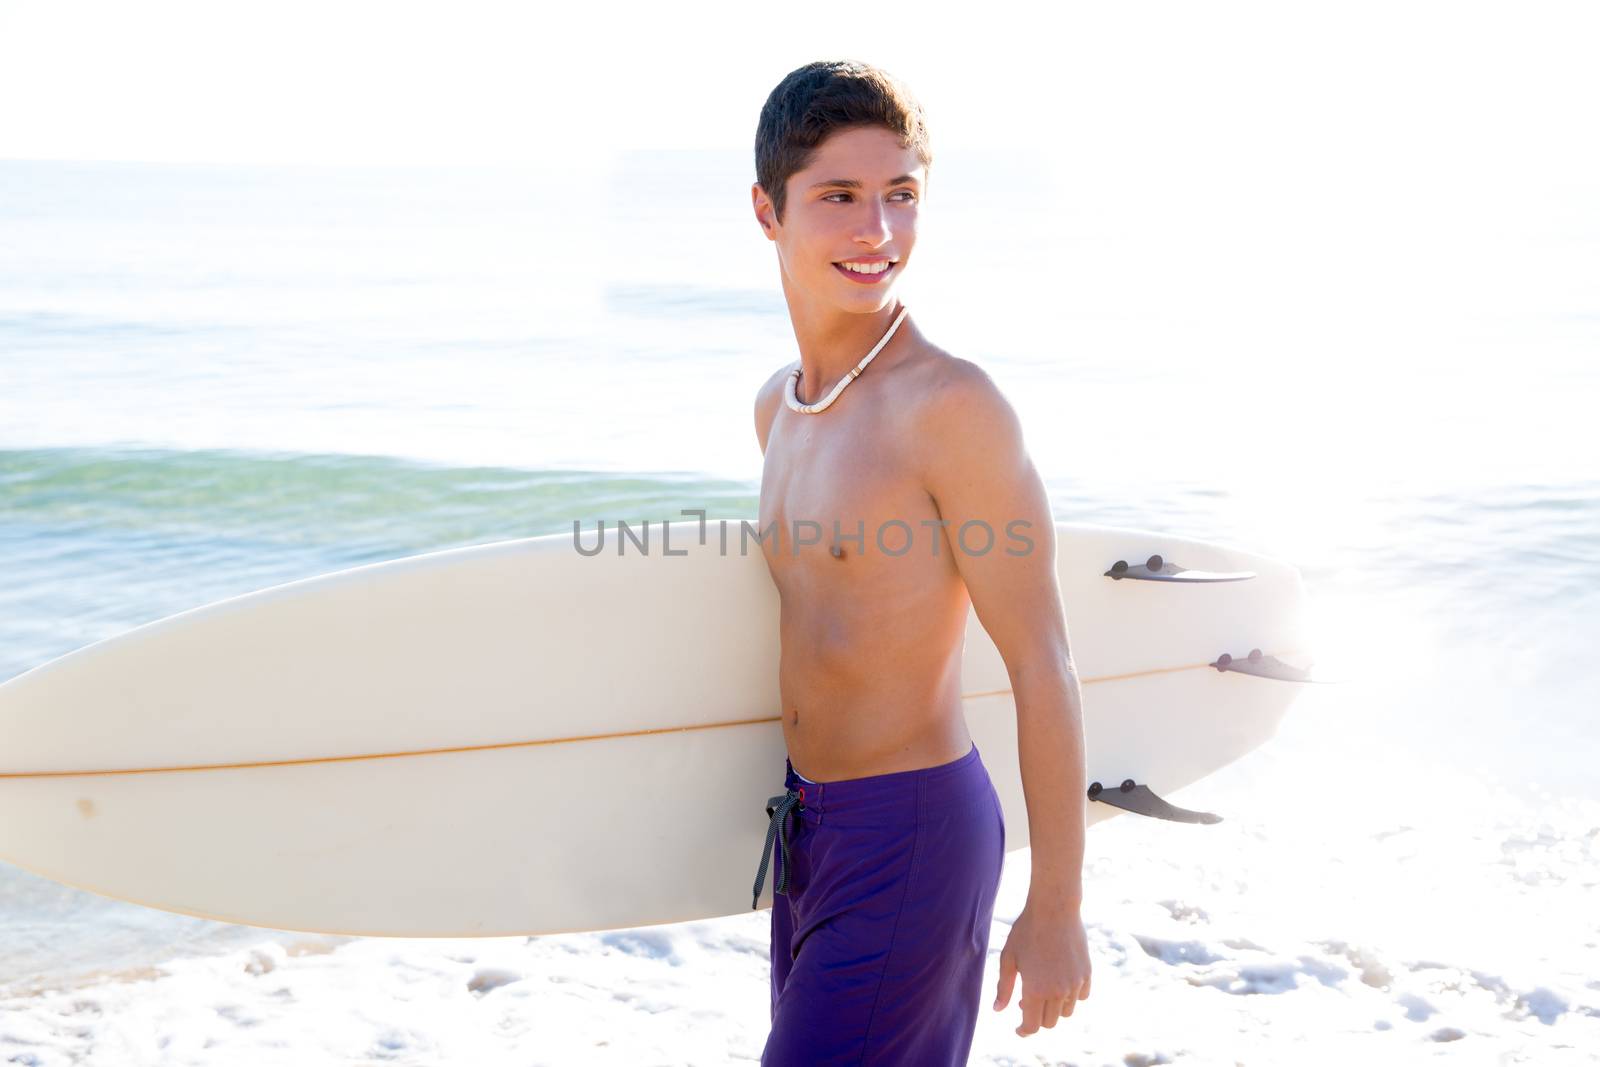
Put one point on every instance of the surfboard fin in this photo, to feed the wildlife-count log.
(1141, 801)
(1263, 666)
(1155, 569)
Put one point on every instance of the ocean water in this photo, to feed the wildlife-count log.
(216, 379)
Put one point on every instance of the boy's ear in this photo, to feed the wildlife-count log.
(762, 204)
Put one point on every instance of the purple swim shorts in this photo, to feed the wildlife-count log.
(882, 899)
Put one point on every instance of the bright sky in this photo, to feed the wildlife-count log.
(1388, 85)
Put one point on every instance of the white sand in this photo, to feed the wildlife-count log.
(1428, 926)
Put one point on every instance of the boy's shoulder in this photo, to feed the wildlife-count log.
(768, 397)
(942, 380)
(953, 405)
(772, 389)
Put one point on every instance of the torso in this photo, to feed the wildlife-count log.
(870, 666)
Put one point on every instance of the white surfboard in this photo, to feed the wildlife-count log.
(516, 738)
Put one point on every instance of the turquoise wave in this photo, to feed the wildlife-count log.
(96, 540)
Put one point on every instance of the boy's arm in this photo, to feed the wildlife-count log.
(977, 470)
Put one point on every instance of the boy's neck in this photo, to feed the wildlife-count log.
(832, 342)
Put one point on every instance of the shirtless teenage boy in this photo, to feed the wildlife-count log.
(878, 499)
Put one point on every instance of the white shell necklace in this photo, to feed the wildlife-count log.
(822, 405)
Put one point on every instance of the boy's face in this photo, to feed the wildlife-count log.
(826, 223)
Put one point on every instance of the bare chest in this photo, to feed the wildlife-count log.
(844, 498)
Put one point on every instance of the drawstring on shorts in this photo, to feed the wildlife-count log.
(778, 808)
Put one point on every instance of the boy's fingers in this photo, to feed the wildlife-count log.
(1032, 1008)
(1008, 979)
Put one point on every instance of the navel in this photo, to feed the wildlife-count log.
(837, 550)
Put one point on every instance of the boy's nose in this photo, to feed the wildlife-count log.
(875, 227)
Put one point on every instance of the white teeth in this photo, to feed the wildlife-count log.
(866, 268)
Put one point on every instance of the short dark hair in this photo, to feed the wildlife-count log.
(820, 99)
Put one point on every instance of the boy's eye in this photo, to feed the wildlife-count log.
(910, 196)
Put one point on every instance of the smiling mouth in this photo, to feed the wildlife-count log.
(867, 273)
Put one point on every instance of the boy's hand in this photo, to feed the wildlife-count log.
(1049, 948)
